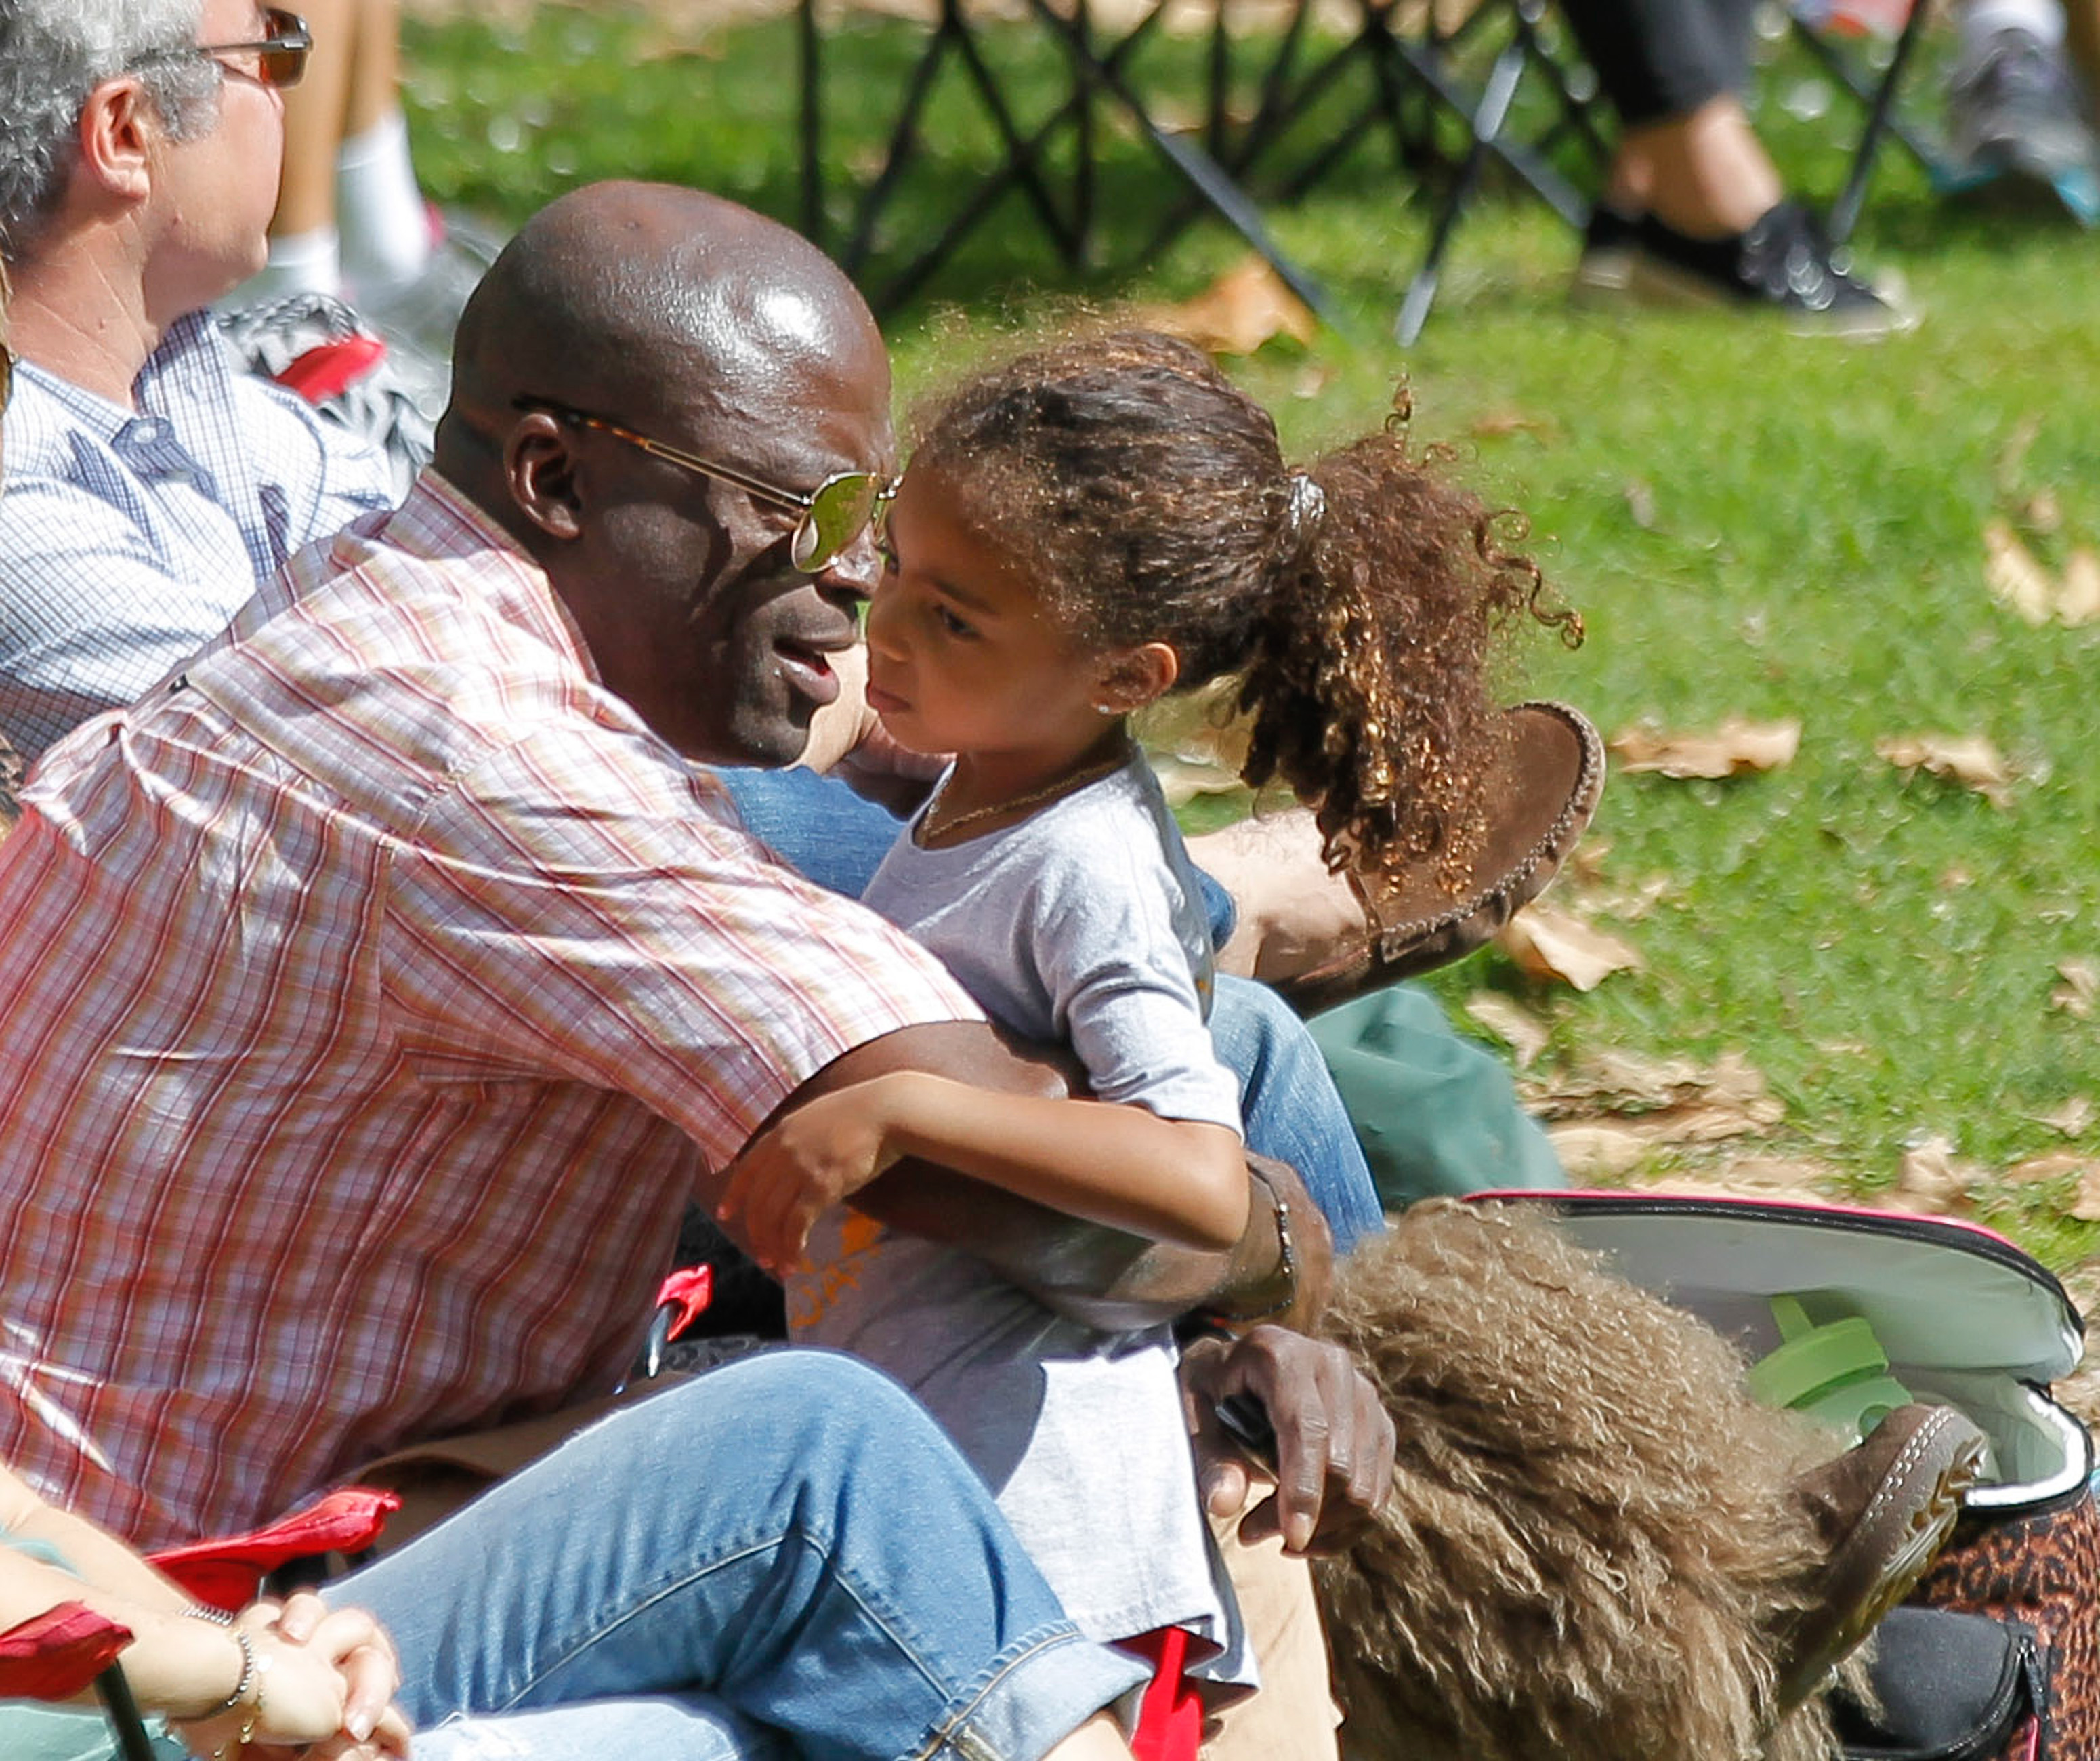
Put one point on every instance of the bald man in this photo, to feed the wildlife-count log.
(373, 996)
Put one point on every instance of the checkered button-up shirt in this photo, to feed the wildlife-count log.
(128, 541)
(372, 997)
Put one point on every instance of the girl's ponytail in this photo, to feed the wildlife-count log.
(1369, 680)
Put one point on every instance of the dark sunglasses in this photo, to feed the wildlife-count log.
(280, 58)
(7, 377)
(833, 514)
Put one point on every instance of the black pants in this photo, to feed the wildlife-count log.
(1660, 59)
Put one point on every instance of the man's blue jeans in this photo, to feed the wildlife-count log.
(1287, 1099)
(788, 1544)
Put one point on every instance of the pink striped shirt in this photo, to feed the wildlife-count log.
(370, 1000)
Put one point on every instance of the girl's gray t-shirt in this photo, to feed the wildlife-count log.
(1083, 925)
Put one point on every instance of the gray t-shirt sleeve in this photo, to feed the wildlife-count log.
(1076, 925)
(1125, 998)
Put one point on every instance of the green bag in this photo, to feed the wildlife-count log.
(1435, 1113)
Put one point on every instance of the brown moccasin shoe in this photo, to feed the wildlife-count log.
(1884, 1509)
(1551, 774)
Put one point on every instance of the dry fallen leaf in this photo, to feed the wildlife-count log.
(1735, 746)
(1494, 424)
(1931, 1177)
(1586, 866)
(1549, 942)
(2085, 1205)
(2013, 577)
(2080, 989)
(1245, 307)
(2078, 600)
(2053, 1166)
(1312, 379)
(1968, 759)
(2072, 1118)
(1590, 1151)
(1523, 1032)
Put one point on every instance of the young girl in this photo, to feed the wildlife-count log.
(1081, 531)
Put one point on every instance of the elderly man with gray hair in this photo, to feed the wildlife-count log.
(151, 480)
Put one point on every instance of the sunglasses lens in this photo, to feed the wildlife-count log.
(284, 63)
(839, 513)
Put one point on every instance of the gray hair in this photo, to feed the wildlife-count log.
(53, 53)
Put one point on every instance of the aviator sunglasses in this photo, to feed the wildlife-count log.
(280, 57)
(833, 514)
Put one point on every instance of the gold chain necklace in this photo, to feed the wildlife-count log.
(1071, 785)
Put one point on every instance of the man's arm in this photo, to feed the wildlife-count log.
(1277, 1270)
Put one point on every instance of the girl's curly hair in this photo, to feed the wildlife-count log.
(1356, 603)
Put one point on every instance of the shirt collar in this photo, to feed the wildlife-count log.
(438, 522)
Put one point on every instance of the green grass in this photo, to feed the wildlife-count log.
(1882, 949)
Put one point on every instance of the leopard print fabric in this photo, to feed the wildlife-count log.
(2043, 1569)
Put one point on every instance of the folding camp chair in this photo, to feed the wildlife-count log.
(1822, 27)
(1099, 71)
(58, 1654)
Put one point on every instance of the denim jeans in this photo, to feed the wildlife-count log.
(1287, 1100)
(784, 1557)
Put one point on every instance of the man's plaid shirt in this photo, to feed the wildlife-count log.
(372, 997)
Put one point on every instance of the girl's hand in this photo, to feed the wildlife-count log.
(801, 1166)
(323, 1678)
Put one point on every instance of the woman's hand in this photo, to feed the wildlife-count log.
(802, 1164)
(324, 1681)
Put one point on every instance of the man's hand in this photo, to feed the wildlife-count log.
(798, 1167)
(1334, 1439)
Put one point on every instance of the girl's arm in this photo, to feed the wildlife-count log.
(1170, 1180)
(335, 1681)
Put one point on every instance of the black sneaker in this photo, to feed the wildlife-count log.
(1608, 242)
(2015, 114)
(1782, 264)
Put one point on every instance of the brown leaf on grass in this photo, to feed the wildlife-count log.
(2080, 989)
(1492, 425)
(1736, 746)
(1586, 866)
(1245, 307)
(1970, 760)
(2053, 1166)
(1552, 943)
(1590, 1151)
(1523, 1032)
(2078, 600)
(1661, 1101)
(2085, 1203)
(1932, 1178)
(1312, 379)
(1630, 904)
(2072, 1118)
(2015, 579)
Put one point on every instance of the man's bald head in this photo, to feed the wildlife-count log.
(633, 298)
(626, 311)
